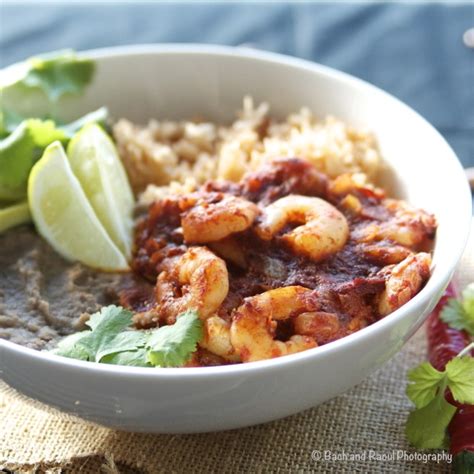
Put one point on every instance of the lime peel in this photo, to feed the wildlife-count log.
(96, 164)
(12, 216)
(64, 216)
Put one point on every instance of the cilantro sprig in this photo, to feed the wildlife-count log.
(460, 314)
(23, 134)
(111, 340)
(170, 346)
(58, 74)
(427, 424)
(55, 74)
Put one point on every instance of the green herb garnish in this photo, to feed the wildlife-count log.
(170, 346)
(427, 424)
(24, 138)
(460, 314)
(56, 74)
(112, 341)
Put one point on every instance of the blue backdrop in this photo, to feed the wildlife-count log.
(413, 51)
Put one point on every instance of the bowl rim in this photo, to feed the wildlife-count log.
(429, 292)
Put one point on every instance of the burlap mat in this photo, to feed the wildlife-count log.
(35, 438)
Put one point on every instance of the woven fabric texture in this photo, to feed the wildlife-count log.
(371, 416)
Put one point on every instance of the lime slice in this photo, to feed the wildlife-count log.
(64, 216)
(14, 215)
(96, 164)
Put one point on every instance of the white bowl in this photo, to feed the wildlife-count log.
(173, 81)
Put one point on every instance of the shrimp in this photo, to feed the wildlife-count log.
(254, 323)
(318, 324)
(384, 252)
(217, 339)
(404, 281)
(198, 279)
(215, 217)
(406, 226)
(324, 230)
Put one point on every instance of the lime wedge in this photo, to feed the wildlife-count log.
(64, 216)
(14, 215)
(96, 164)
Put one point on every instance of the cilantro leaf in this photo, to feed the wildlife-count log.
(425, 384)
(463, 462)
(133, 358)
(460, 315)
(67, 347)
(171, 346)
(110, 317)
(9, 120)
(57, 74)
(460, 371)
(111, 341)
(20, 150)
(23, 140)
(455, 316)
(426, 427)
(123, 342)
(427, 424)
(107, 336)
(468, 301)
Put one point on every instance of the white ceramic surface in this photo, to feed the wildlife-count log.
(184, 81)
